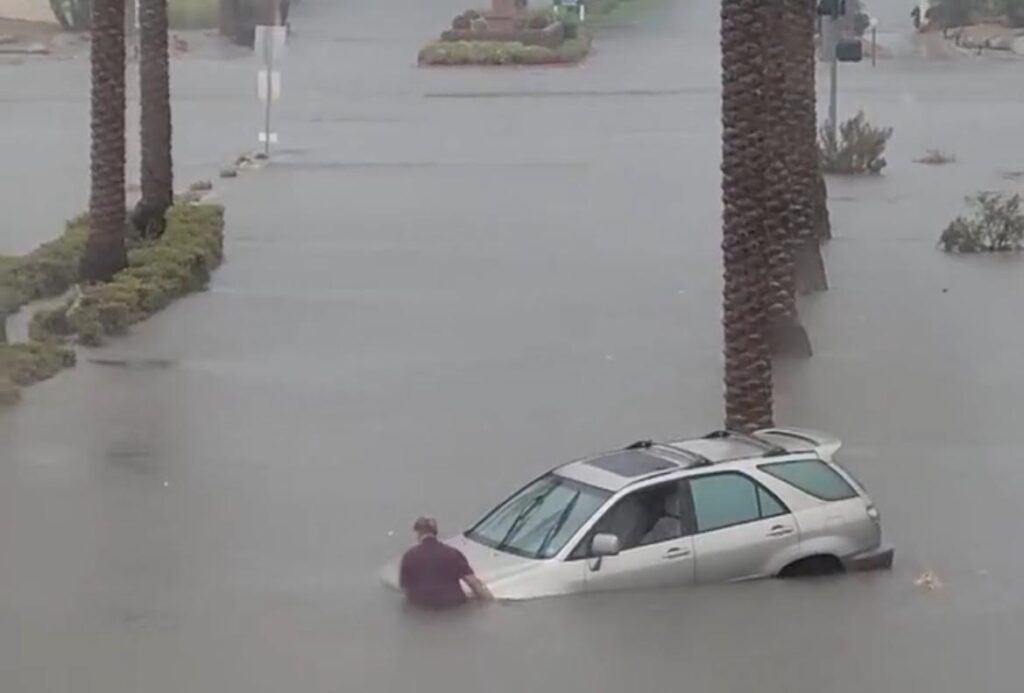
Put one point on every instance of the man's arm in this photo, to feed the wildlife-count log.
(479, 589)
(476, 585)
(403, 574)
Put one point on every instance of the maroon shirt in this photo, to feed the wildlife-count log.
(430, 575)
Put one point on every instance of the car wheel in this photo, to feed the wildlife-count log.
(812, 566)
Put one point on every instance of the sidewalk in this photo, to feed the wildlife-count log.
(24, 37)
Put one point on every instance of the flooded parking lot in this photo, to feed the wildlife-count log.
(450, 280)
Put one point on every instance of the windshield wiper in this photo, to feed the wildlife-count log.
(557, 527)
(517, 524)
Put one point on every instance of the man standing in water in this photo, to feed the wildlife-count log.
(432, 573)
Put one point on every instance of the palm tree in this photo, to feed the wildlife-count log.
(155, 97)
(808, 181)
(748, 371)
(104, 253)
(785, 212)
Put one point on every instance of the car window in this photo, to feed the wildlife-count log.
(770, 505)
(645, 517)
(813, 477)
(723, 500)
(541, 518)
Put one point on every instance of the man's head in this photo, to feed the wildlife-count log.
(425, 527)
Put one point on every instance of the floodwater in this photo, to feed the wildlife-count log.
(451, 280)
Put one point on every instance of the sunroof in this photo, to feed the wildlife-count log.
(630, 463)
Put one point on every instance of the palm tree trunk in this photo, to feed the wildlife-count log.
(155, 96)
(784, 212)
(104, 253)
(801, 16)
(748, 371)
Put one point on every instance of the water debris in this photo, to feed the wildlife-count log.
(928, 581)
(936, 157)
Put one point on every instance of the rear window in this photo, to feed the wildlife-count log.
(813, 477)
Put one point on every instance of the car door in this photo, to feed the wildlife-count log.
(655, 537)
(741, 527)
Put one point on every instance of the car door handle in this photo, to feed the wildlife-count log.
(675, 553)
(780, 531)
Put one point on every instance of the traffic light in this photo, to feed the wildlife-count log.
(849, 51)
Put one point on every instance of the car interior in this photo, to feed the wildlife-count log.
(648, 516)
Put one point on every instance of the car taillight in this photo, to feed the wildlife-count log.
(874, 514)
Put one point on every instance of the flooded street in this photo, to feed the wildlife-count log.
(452, 280)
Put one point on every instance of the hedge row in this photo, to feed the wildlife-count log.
(158, 272)
(178, 263)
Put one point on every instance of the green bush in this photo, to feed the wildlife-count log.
(158, 272)
(995, 224)
(26, 364)
(9, 392)
(504, 52)
(859, 148)
(178, 263)
(47, 271)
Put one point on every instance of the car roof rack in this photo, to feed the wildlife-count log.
(769, 449)
(647, 444)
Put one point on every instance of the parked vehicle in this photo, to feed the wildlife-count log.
(724, 507)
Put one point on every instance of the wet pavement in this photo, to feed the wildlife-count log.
(451, 280)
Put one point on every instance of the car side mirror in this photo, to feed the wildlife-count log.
(600, 546)
(605, 545)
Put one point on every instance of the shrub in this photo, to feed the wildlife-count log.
(47, 271)
(995, 224)
(504, 52)
(9, 392)
(859, 149)
(26, 364)
(178, 263)
(461, 22)
(574, 49)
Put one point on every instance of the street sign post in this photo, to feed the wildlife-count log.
(270, 45)
(874, 40)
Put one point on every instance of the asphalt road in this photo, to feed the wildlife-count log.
(448, 281)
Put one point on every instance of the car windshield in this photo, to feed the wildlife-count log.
(540, 519)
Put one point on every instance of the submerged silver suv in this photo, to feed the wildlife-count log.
(727, 506)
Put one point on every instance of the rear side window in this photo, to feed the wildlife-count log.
(813, 477)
